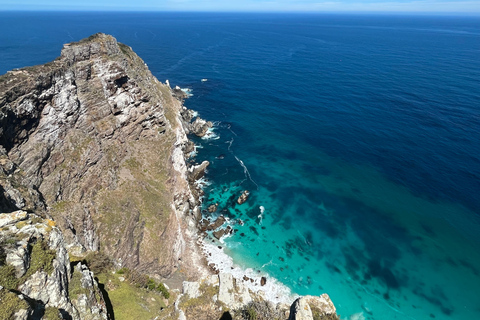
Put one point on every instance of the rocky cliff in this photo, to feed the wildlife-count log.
(94, 141)
(93, 176)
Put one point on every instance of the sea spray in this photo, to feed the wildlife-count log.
(274, 290)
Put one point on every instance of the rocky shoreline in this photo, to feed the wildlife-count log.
(237, 288)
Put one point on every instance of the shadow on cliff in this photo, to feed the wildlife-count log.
(226, 316)
(106, 298)
(6, 205)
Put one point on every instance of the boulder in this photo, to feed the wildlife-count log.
(200, 127)
(217, 224)
(243, 197)
(310, 307)
(218, 234)
(263, 281)
(198, 171)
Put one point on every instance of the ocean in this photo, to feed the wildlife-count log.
(357, 136)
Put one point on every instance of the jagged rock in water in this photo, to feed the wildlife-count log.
(200, 127)
(263, 281)
(35, 251)
(243, 197)
(198, 171)
(217, 224)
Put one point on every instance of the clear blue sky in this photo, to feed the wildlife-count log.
(445, 6)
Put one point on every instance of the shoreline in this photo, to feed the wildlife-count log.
(210, 258)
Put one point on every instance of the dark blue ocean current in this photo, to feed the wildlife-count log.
(357, 135)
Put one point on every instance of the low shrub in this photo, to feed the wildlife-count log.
(41, 259)
(10, 303)
(8, 280)
(162, 289)
(52, 313)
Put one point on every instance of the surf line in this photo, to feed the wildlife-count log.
(245, 170)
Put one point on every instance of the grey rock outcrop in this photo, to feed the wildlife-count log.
(310, 308)
(225, 290)
(198, 171)
(200, 127)
(191, 289)
(36, 249)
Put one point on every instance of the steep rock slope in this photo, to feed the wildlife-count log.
(95, 142)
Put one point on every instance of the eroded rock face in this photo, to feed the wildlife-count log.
(310, 307)
(93, 140)
(200, 127)
(36, 249)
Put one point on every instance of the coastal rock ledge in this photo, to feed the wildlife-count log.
(99, 207)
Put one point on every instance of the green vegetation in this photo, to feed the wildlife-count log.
(41, 259)
(129, 301)
(10, 303)
(142, 281)
(52, 313)
(19, 225)
(125, 49)
(75, 285)
(203, 306)
(8, 280)
(163, 290)
(98, 262)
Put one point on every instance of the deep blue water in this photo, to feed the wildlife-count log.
(359, 135)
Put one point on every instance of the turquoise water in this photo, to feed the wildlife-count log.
(357, 134)
(374, 246)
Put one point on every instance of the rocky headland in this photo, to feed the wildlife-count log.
(100, 209)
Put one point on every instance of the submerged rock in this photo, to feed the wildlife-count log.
(212, 208)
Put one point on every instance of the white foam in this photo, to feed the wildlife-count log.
(245, 170)
(187, 91)
(357, 316)
(202, 182)
(260, 216)
(274, 290)
(211, 135)
(229, 144)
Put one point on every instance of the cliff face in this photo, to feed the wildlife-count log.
(95, 142)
